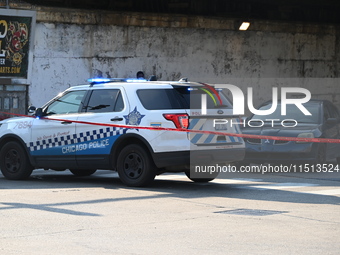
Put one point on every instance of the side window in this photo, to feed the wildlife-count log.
(67, 103)
(178, 98)
(105, 100)
(159, 99)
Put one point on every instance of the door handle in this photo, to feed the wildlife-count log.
(66, 122)
(117, 119)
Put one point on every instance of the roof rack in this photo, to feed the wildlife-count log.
(185, 81)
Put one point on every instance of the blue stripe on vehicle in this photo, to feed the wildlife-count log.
(193, 123)
(209, 138)
(196, 138)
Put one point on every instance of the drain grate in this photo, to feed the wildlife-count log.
(252, 212)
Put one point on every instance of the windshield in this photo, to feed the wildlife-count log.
(70, 102)
(292, 112)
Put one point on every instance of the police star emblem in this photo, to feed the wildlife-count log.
(134, 118)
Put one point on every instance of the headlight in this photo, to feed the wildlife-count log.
(305, 135)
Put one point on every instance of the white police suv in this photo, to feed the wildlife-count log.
(122, 125)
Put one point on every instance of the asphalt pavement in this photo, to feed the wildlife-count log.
(58, 213)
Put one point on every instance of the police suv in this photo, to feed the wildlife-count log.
(138, 128)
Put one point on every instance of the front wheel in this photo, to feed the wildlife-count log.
(135, 166)
(14, 162)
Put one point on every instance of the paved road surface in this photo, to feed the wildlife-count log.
(58, 213)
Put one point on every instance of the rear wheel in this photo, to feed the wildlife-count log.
(14, 162)
(83, 172)
(135, 166)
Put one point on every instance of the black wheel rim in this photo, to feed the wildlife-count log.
(12, 161)
(133, 165)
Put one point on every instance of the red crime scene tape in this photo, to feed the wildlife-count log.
(296, 139)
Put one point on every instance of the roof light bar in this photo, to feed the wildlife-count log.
(135, 80)
(100, 80)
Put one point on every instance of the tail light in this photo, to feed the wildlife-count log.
(179, 119)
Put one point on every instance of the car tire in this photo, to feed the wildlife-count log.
(83, 172)
(201, 180)
(135, 166)
(14, 162)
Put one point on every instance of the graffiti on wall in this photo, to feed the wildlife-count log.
(14, 46)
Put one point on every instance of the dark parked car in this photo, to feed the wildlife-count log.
(323, 123)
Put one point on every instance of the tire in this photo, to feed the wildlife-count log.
(83, 172)
(213, 176)
(14, 162)
(135, 166)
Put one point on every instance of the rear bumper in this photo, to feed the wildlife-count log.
(167, 159)
(216, 156)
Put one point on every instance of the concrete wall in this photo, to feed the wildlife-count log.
(71, 47)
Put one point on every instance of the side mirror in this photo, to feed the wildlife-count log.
(39, 112)
(31, 109)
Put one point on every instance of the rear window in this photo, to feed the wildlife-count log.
(160, 99)
(180, 98)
